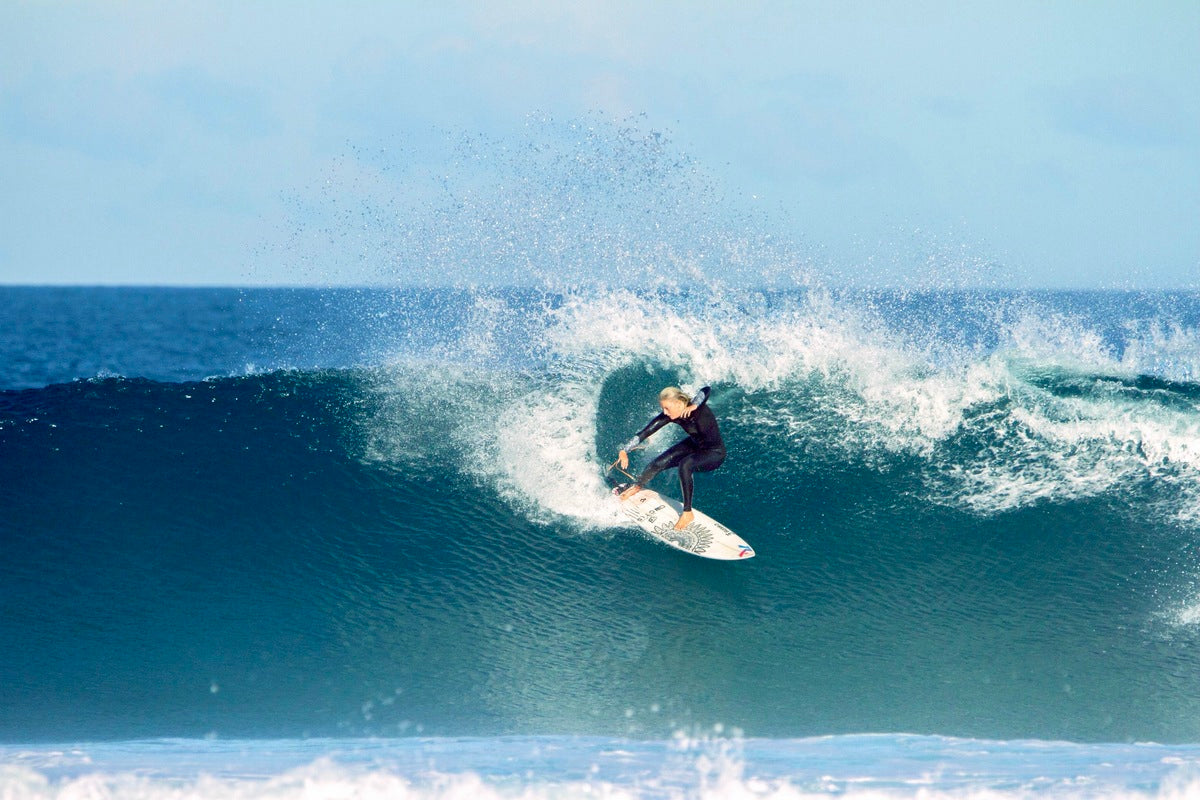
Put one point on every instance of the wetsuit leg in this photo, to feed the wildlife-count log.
(666, 460)
(701, 461)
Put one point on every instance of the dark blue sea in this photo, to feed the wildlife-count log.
(360, 542)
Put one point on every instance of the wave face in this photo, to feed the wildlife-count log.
(976, 514)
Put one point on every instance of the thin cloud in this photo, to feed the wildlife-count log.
(1124, 111)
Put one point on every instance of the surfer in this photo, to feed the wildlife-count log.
(702, 451)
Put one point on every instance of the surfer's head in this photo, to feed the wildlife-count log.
(673, 401)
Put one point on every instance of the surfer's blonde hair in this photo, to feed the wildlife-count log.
(674, 393)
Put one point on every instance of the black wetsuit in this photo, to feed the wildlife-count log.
(702, 451)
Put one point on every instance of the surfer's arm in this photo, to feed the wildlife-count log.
(645, 433)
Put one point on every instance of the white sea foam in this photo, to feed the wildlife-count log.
(1064, 448)
(1188, 614)
(1169, 350)
(899, 393)
(1051, 398)
(544, 446)
(866, 767)
(326, 783)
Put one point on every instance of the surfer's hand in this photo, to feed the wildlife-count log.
(623, 458)
(687, 412)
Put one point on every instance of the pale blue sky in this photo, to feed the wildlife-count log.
(1038, 143)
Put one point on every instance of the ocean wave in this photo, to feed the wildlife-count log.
(955, 534)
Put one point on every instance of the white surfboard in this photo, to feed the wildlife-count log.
(704, 537)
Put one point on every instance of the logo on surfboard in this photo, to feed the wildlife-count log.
(694, 537)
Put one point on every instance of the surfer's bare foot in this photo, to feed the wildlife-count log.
(685, 519)
(630, 492)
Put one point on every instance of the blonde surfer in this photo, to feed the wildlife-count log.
(702, 451)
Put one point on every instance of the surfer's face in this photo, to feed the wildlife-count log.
(673, 408)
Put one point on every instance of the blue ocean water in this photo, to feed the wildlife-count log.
(253, 539)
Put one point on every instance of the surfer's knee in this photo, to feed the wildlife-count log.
(710, 461)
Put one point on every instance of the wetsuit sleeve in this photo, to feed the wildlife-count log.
(645, 433)
(701, 396)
